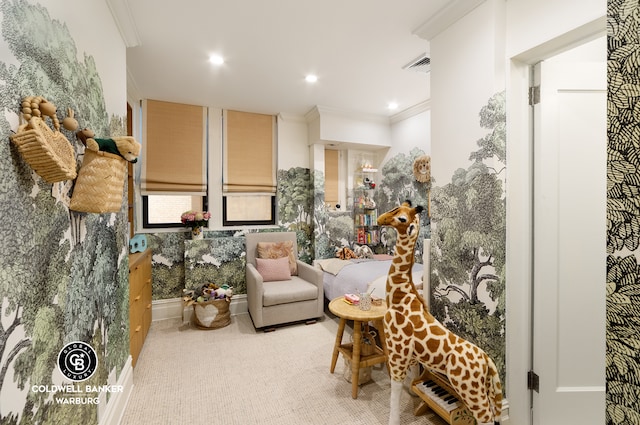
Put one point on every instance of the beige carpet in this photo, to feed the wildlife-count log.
(236, 375)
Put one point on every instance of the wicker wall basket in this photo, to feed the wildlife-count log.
(100, 184)
(48, 152)
(212, 314)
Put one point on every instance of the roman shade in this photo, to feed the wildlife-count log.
(249, 153)
(331, 176)
(174, 148)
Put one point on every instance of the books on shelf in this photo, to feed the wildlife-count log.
(365, 213)
(367, 236)
(369, 218)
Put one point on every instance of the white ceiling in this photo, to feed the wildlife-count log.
(357, 48)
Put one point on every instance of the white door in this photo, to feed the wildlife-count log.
(569, 263)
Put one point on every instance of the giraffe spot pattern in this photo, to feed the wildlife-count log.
(433, 345)
(437, 331)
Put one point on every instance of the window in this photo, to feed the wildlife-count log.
(249, 169)
(174, 168)
(251, 209)
(164, 211)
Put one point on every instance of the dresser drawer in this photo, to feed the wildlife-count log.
(139, 301)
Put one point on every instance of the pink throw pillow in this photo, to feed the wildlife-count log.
(277, 250)
(273, 269)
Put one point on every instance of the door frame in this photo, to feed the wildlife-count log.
(519, 217)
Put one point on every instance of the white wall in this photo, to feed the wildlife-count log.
(414, 131)
(293, 144)
(533, 23)
(337, 126)
(364, 130)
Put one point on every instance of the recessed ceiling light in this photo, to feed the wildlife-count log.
(216, 59)
(311, 78)
(392, 105)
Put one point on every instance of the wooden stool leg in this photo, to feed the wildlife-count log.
(355, 358)
(334, 358)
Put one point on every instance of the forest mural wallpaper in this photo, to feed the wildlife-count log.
(468, 242)
(63, 274)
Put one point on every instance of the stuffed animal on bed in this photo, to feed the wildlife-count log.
(124, 146)
(345, 253)
(363, 251)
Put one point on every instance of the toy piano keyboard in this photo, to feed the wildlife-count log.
(438, 395)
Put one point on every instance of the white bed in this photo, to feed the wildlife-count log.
(359, 275)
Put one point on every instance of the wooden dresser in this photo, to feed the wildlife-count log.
(139, 301)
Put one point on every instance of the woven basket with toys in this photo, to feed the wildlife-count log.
(210, 305)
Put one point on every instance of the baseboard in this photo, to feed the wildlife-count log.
(170, 308)
(110, 412)
(504, 418)
(173, 308)
(239, 305)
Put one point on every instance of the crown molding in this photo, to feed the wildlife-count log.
(292, 118)
(124, 21)
(319, 110)
(312, 115)
(411, 111)
(445, 17)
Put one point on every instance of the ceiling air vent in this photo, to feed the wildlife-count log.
(420, 64)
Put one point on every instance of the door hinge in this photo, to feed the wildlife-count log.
(534, 95)
(533, 381)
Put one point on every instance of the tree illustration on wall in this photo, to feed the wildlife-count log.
(62, 274)
(322, 247)
(219, 260)
(295, 208)
(294, 198)
(397, 185)
(468, 241)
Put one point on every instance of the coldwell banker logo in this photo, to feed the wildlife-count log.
(77, 361)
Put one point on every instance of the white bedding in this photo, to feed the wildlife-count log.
(357, 276)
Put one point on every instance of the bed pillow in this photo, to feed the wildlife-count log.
(278, 250)
(273, 269)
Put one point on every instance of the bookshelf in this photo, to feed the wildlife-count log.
(365, 213)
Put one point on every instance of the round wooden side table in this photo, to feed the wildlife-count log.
(352, 351)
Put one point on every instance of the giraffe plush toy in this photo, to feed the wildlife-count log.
(414, 335)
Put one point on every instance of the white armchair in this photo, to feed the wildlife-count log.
(282, 301)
